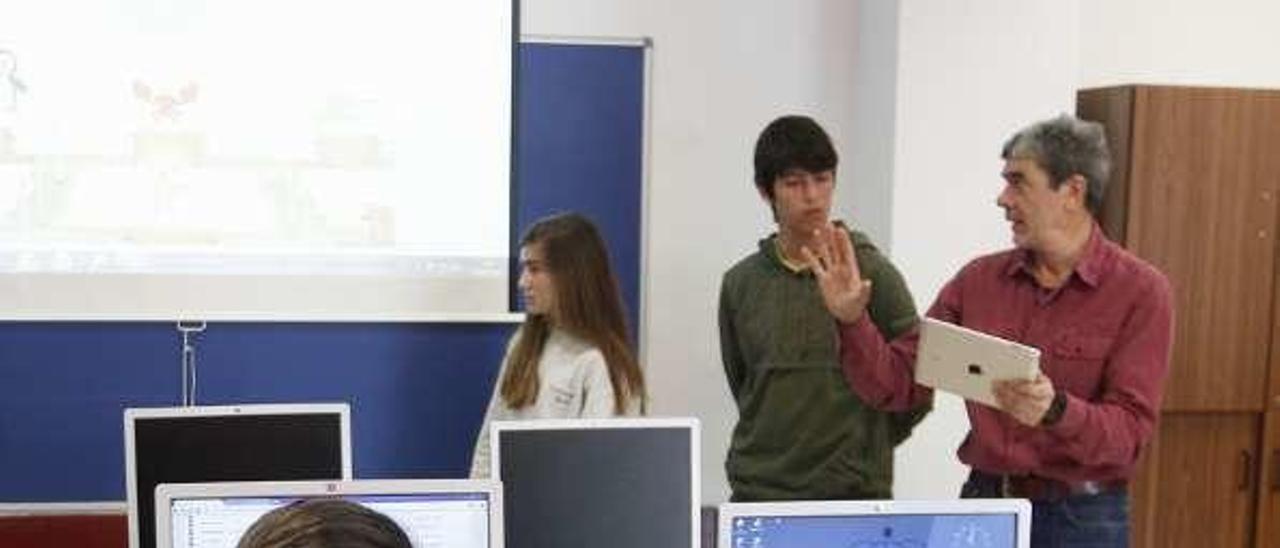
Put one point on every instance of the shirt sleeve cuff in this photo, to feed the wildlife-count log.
(862, 329)
(1072, 418)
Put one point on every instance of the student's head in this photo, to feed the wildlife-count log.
(795, 172)
(565, 276)
(1055, 173)
(567, 284)
(324, 523)
(564, 270)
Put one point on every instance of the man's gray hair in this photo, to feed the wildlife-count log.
(1066, 146)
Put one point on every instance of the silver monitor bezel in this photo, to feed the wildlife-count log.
(1020, 508)
(167, 493)
(132, 415)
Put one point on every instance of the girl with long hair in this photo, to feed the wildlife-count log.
(571, 357)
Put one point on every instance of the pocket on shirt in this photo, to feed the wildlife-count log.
(1077, 360)
(1084, 347)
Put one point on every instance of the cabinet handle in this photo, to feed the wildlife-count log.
(1246, 470)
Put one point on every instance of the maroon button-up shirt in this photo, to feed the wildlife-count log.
(1104, 337)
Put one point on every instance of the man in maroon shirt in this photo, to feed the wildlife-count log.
(1102, 318)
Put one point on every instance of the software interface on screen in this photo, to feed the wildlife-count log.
(435, 520)
(871, 531)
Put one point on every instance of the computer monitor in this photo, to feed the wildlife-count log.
(453, 513)
(620, 483)
(1001, 523)
(276, 442)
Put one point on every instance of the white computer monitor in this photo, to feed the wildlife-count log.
(991, 523)
(454, 513)
(620, 483)
(268, 442)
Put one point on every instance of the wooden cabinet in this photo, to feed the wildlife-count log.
(1194, 191)
(1195, 194)
(1269, 496)
(1198, 470)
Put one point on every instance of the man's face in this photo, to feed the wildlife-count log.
(802, 199)
(1035, 211)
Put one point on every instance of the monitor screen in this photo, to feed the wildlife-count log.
(243, 443)
(613, 482)
(911, 530)
(430, 517)
(971, 523)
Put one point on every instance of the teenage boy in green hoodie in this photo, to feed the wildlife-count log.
(802, 433)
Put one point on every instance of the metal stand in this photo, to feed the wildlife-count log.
(189, 329)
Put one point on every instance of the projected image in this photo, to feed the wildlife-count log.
(255, 138)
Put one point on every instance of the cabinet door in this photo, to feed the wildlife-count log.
(1113, 108)
(1268, 533)
(1197, 485)
(1202, 208)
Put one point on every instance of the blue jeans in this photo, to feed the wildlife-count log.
(1080, 521)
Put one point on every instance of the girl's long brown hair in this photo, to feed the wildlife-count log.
(587, 305)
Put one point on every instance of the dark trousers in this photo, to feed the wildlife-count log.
(1077, 521)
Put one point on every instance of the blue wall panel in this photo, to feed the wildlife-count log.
(585, 150)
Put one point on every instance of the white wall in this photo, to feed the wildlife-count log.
(867, 171)
(919, 95)
(927, 90)
(721, 70)
(967, 79)
(1231, 43)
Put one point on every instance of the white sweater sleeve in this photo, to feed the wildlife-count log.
(597, 391)
(496, 411)
(480, 455)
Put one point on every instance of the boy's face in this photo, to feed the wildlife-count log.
(802, 199)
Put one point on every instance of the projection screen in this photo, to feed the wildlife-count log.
(279, 159)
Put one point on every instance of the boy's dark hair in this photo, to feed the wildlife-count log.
(791, 142)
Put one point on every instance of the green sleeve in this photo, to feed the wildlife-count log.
(892, 308)
(730, 354)
(893, 311)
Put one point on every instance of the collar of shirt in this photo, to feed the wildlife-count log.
(1088, 269)
(795, 268)
(772, 247)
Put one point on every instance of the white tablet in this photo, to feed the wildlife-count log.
(965, 362)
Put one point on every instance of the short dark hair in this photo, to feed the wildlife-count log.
(791, 142)
(1066, 146)
(324, 523)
